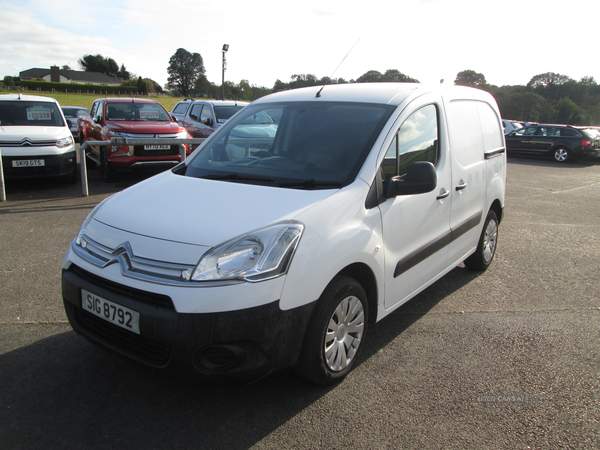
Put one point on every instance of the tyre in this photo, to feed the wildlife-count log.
(335, 333)
(108, 172)
(562, 155)
(486, 248)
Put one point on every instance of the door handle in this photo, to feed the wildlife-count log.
(461, 186)
(443, 195)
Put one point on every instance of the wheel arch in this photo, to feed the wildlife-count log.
(366, 278)
(496, 206)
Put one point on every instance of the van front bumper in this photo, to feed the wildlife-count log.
(217, 348)
(55, 165)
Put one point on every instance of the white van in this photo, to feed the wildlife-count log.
(305, 218)
(35, 139)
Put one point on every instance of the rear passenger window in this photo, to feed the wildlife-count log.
(181, 108)
(195, 112)
(569, 132)
(207, 114)
(416, 140)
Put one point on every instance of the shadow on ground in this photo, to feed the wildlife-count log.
(59, 391)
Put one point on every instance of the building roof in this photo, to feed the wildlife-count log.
(79, 76)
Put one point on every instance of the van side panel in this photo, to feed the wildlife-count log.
(469, 177)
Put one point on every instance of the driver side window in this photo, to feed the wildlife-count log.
(207, 114)
(416, 140)
(195, 112)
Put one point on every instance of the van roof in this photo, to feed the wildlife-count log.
(386, 93)
(35, 98)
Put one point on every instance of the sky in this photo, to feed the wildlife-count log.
(430, 40)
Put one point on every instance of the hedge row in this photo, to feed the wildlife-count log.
(77, 88)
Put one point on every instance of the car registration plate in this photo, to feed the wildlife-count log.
(157, 147)
(28, 163)
(111, 312)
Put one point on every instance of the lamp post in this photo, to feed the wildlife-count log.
(224, 50)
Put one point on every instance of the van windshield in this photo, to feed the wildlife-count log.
(30, 113)
(302, 145)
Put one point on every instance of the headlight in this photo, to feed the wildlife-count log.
(88, 219)
(182, 135)
(64, 142)
(117, 134)
(257, 256)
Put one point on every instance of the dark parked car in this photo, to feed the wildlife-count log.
(562, 142)
(202, 117)
(72, 113)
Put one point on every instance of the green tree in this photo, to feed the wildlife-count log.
(100, 64)
(568, 112)
(394, 75)
(551, 85)
(547, 79)
(123, 73)
(142, 86)
(372, 76)
(470, 78)
(202, 85)
(527, 106)
(184, 70)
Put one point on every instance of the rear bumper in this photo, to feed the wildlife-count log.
(217, 348)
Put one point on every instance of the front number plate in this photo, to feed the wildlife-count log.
(111, 312)
(28, 163)
(157, 147)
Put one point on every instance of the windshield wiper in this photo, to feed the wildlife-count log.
(238, 177)
(311, 184)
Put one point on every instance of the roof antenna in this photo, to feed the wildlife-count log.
(319, 93)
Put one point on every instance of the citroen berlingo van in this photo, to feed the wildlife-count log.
(279, 247)
(35, 139)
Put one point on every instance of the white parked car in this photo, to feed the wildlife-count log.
(35, 139)
(511, 125)
(264, 252)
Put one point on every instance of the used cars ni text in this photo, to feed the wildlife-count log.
(130, 118)
(260, 253)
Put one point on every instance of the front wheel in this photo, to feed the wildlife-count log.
(486, 248)
(562, 155)
(335, 333)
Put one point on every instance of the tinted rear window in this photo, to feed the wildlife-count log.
(225, 112)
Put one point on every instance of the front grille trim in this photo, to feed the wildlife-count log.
(137, 294)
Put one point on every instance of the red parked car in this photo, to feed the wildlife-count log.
(130, 118)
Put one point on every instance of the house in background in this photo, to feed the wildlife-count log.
(56, 75)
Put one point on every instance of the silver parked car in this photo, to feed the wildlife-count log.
(72, 113)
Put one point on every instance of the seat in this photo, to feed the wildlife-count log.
(112, 113)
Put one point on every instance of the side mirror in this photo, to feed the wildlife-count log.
(421, 178)
(97, 118)
(207, 122)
